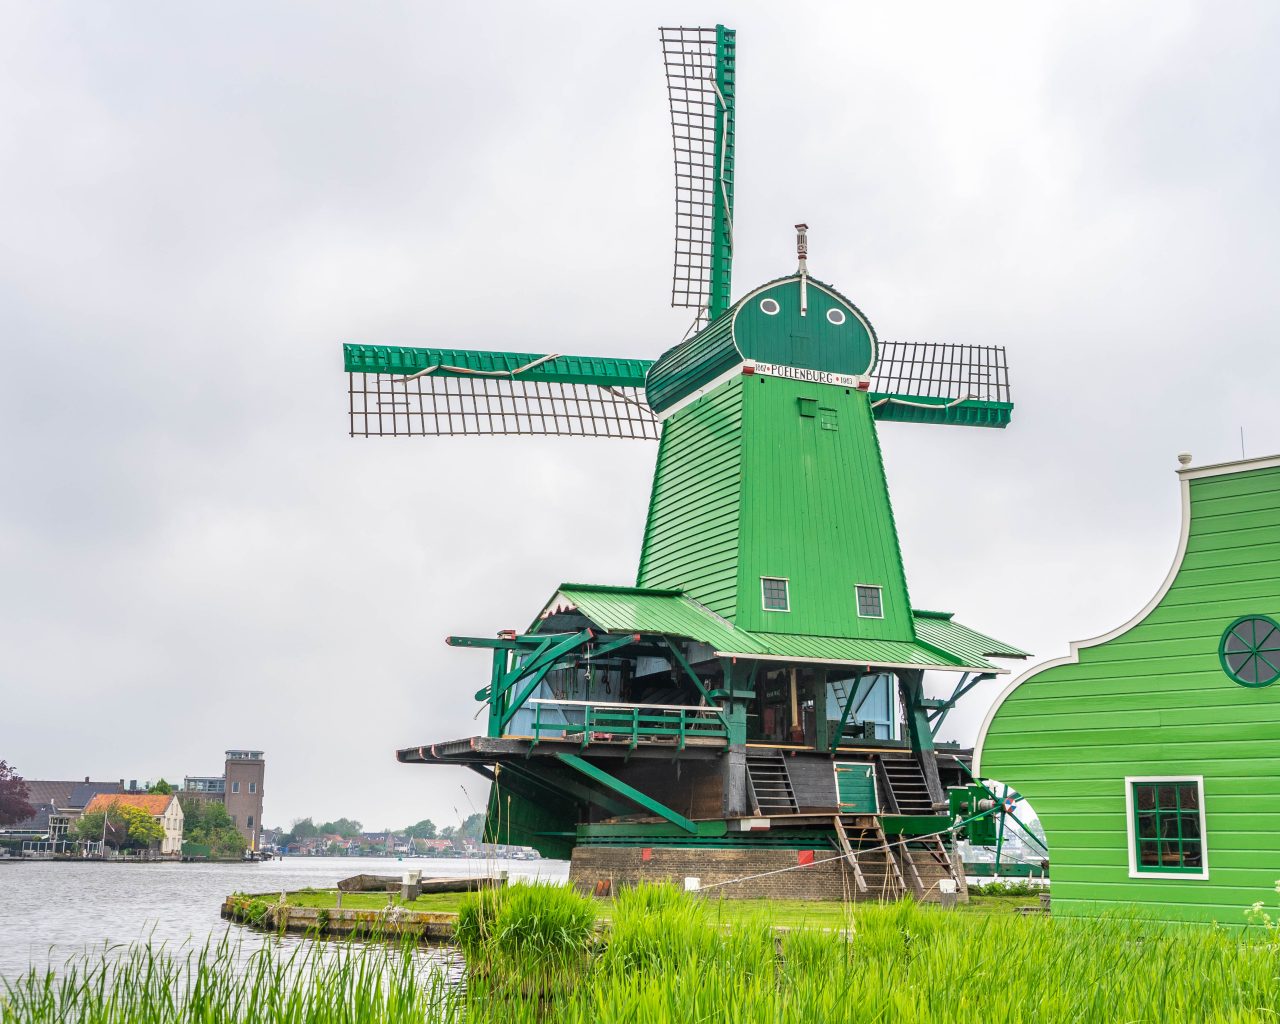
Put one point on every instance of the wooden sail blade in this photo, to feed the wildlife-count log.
(421, 392)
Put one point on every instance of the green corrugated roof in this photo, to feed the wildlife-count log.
(632, 610)
(945, 644)
(938, 629)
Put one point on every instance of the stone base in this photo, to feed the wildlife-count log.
(777, 874)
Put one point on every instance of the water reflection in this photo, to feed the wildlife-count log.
(50, 911)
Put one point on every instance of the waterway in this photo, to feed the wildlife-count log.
(52, 910)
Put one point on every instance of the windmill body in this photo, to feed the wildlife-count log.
(759, 692)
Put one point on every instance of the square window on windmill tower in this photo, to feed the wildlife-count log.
(774, 593)
(870, 605)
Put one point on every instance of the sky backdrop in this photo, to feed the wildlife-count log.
(200, 204)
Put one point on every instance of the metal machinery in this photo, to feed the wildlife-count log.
(761, 688)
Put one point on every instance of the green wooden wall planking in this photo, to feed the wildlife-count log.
(1152, 699)
(772, 477)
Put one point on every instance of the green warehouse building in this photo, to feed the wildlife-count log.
(1152, 753)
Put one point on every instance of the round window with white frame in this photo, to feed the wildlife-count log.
(835, 316)
(770, 307)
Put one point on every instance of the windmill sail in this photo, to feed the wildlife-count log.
(420, 392)
(423, 392)
(931, 382)
(701, 66)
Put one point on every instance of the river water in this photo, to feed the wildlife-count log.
(51, 910)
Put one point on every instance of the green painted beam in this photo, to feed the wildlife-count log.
(914, 409)
(651, 830)
(619, 373)
(565, 787)
(719, 295)
(1013, 869)
(914, 824)
(630, 792)
(519, 643)
(688, 670)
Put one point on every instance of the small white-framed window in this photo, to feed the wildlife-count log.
(1164, 821)
(774, 594)
(253, 787)
(870, 601)
(835, 316)
(769, 307)
(235, 787)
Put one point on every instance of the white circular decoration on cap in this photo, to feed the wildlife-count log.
(769, 307)
(835, 316)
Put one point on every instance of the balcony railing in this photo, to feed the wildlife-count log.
(585, 722)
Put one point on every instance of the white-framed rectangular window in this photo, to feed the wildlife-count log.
(235, 787)
(1164, 821)
(870, 601)
(774, 595)
(253, 787)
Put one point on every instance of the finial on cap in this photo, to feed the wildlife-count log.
(802, 245)
(1184, 458)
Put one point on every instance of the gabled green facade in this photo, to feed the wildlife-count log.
(1154, 700)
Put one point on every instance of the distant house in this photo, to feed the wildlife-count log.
(432, 847)
(58, 806)
(165, 809)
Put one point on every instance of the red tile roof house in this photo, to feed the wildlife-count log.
(165, 809)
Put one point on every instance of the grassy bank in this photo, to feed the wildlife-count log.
(533, 954)
(784, 913)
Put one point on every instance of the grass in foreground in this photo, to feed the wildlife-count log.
(788, 913)
(534, 955)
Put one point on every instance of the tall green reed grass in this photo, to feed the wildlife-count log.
(533, 955)
(219, 983)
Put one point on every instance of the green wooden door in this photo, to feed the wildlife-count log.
(856, 787)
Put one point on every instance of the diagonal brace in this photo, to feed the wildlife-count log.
(630, 792)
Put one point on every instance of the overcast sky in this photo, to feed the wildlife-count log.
(200, 204)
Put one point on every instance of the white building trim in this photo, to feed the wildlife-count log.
(1185, 475)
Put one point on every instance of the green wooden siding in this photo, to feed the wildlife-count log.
(684, 368)
(856, 784)
(1154, 701)
(816, 511)
(691, 536)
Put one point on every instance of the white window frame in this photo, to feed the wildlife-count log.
(235, 787)
(1135, 871)
(857, 605)
(253, 788)
(775, 579)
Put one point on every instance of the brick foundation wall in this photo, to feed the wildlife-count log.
(821, 879)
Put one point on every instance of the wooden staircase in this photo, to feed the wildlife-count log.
(906, 790)
(771, 790)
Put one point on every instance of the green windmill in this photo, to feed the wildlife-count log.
(760, 690)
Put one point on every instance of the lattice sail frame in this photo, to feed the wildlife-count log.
(503, 394)
(382, 405)
(701, 68)
(938, 370)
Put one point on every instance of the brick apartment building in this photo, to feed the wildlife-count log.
(239, 788)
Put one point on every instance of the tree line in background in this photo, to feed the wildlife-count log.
(306, 828)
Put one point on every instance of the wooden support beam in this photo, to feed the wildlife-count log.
(630, 792)
(849, 855)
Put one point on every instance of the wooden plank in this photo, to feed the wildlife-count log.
(850, 856)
